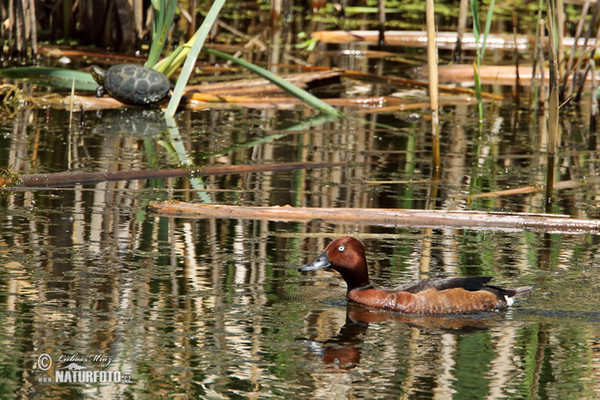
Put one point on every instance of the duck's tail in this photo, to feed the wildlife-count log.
(511, 294)
(522, 291)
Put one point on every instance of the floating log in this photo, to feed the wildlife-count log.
(491, 74)
(386, 217)
(444, 40)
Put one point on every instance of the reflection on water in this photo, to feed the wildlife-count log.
(214, 308)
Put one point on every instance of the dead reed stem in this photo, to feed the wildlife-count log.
(552, 104)
(381, 16)
(594, 98)
(569, 70)
(460, 30)
(432, 63)
(516, 52)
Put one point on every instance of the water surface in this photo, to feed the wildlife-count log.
(215, 308)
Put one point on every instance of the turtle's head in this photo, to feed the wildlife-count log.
(98, 74)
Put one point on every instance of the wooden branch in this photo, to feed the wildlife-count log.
(570, 184)
(385, 217)
(260, 85)
(492, 74)
(63, 179)
(444, 40)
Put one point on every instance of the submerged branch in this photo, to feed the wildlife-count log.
(571, 184)
(64, 179)
(385, 217)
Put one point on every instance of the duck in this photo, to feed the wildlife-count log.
(431, 296)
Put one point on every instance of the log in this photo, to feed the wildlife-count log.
(385, 217)
(444, 40)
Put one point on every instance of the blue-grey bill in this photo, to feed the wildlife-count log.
(318, 263)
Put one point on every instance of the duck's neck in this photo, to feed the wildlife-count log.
(356, 278)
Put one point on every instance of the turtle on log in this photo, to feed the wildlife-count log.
(132, 84)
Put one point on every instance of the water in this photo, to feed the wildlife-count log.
(215, 308)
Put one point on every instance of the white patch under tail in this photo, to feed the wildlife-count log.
(509, 300)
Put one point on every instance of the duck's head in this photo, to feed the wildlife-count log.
(347, 256)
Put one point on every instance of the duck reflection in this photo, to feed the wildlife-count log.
(342, 350)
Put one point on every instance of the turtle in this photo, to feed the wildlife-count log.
(132, 84)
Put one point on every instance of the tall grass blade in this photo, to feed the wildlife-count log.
(190, 61)
(477, 62)
(480, 47)
(475, 14)
(170, 64)
(488, 24)
(294, 90)
(162, 18)
(56, 77)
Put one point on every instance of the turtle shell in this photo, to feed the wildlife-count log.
(135, 84)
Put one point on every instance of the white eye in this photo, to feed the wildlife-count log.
(341, 248)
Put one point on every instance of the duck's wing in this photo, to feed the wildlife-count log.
(517, 292)
(471, 283)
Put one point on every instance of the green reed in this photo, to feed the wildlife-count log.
(480, 47)
(191, 50)
(162, 19)
(290, 88)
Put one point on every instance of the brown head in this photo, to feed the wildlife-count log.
(347, 256)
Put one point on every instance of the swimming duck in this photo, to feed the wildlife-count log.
(426, 296)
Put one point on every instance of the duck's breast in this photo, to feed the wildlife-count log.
(383, 299)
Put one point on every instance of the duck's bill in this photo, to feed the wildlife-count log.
(318, 263)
